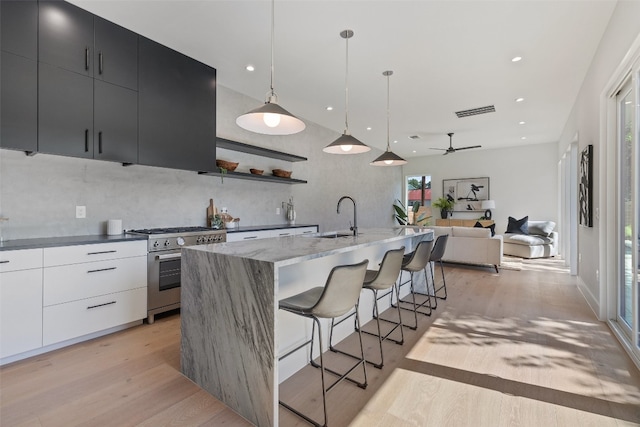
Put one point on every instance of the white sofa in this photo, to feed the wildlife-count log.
(470, 245)
(541, 242)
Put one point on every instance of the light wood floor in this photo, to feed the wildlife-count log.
(518, 348)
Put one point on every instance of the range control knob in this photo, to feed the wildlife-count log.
(180, 241)
(200, 239)
(167, 242)
(156, 244)
(210, 239)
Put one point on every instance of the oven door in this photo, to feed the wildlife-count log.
(163, 281)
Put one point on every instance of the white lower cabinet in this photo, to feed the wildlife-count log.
(20, 311)
(73, 319)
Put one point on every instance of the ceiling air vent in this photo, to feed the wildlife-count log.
(476, 111)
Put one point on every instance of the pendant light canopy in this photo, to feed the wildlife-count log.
(346, 144)
(388, 158)
(271, 118)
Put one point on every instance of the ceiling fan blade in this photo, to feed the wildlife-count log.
(466, 148)
(442, 149)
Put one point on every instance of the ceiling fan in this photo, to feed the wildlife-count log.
(453, 150)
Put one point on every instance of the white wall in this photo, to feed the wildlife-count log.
(585, 121)
(523, 180)
(39, 194)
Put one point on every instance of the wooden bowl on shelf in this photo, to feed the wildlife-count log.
(229, 166)
(256, 171)
(282, 173)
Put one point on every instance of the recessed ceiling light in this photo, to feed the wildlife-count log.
(368, 127)
(329, 108)
(524, 137)
(516, 59)
(395, 141)
(522, 123)
(519, 99)
(250, 68)
(414, 151)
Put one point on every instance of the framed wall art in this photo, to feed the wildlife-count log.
(467, 193)
(585, 187)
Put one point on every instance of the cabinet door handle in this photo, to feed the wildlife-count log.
(4, 262)
(101, 252)
(100, 142)
(285, 234)
(250, 237)
(86, 140)
(100, 63)
(102, 269)
(100, 305)
(86, 58)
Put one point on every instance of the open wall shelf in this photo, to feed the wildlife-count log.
(258, 151)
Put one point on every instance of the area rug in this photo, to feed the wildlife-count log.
(511, 263)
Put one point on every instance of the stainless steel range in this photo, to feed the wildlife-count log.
(163, 262)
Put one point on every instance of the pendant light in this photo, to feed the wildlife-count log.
(271, 118)
(346, 144)
(388, 158)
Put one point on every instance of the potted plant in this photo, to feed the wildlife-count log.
(402, 216)
(445, 205)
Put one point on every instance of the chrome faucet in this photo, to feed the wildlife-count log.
(354, 227)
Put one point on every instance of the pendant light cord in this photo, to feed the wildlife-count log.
(273, 13)
(346, 91)
(388, 113)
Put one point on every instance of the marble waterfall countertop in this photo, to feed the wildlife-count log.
(232, 330)
(287, 250)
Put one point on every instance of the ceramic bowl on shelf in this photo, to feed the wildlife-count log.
(282, 173)
(229, 166)
(256, 171)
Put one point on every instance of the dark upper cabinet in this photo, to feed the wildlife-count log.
(115, 123)
(115, 54)
(88, 80)
(18, 103)
(177, 109)
(19, 27)
(19, 75)
(65, 112)
(66, 37)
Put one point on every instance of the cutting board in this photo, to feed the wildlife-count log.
(211, 211)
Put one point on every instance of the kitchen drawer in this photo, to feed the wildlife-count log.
(79, 281)
(305, 230)
(74, 319)
(23, 259)
(65, 255)
(249, 235)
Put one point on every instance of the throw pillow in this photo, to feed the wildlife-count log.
(541, 228)
(518, 226)
(491, 227)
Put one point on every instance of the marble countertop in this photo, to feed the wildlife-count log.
(51, 242)
(294, 249)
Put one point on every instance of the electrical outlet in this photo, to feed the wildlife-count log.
(81, 211)
(277, 211)
(579, 257)
(597, 275)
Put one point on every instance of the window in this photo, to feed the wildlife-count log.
(418, 199)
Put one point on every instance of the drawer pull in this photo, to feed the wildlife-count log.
(4, 262)
(101, 252)
(101, 269)
(250, 237)
(100, 305)
(285, 234)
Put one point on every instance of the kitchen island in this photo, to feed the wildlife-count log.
(232, 330)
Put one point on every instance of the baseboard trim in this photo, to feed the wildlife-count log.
(590, 298)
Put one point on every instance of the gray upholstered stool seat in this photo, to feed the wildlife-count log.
(340, 295)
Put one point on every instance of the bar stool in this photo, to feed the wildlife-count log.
(437, 253)
(379, 280)
(339, 295)
(413, 263)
